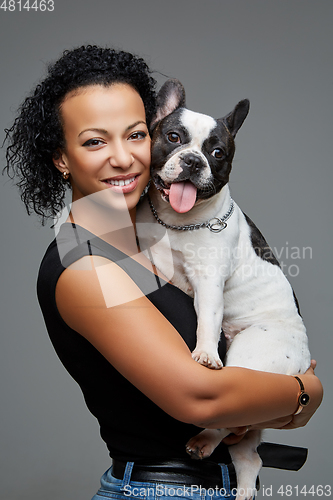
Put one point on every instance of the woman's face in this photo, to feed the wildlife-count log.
(107, 142)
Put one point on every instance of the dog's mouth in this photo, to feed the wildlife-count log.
(181, 195)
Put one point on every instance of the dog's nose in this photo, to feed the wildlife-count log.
(192, 161)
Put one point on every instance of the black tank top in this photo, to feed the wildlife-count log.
(131, 425)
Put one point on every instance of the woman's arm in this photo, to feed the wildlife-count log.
(145, 348)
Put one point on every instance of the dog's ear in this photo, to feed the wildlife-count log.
(170, 97)
(235, 119)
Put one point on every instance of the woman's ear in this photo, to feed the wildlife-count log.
(59, 161)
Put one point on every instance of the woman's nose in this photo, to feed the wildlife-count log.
(121, 156)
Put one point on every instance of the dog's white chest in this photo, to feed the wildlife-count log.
(187, 257)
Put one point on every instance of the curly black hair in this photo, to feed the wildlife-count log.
(37, 132)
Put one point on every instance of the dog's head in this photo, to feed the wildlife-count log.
(191, 153)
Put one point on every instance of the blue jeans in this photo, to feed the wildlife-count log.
(122, 489)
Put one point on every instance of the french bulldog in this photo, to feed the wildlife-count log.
(219, 257)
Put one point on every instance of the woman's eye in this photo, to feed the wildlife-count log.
(217, 153)
(93, 142)
(173, 137)
(136, 136)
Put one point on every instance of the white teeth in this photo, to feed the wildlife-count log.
(121, 182)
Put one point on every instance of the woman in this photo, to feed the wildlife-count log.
(123, 333)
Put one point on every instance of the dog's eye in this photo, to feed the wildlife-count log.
(217, 153)
(173, 137)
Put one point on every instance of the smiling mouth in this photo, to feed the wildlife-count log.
(125, 185)
(121, 182)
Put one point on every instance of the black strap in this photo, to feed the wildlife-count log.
(281, 456)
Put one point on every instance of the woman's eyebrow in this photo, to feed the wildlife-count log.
(135, 124)
(98, 130)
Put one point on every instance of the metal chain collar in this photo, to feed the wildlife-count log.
(215, 225)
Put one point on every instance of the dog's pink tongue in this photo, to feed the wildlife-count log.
(182, 196)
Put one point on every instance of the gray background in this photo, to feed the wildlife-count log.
(276, 53)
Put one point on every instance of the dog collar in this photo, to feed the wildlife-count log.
(215, 225)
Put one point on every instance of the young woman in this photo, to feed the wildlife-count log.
(123, 333)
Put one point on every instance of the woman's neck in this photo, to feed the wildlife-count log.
(113, 225)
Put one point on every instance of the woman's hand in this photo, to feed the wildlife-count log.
(236, 435)
(314, 388)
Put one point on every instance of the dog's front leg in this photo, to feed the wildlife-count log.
(208, 303)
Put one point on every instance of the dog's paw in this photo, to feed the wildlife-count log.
(195, 453)
(244, 495)
(207, 359)
(200, 447)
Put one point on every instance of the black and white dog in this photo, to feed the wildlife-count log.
(219, 257)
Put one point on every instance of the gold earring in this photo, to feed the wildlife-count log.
(65, 175)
